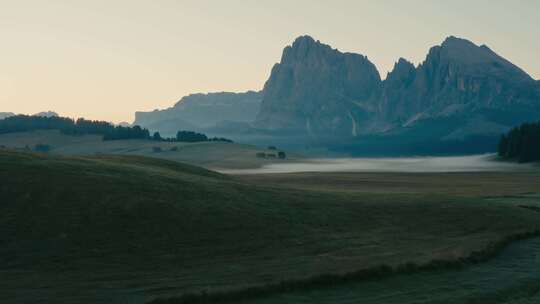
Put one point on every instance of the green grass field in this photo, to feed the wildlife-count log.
(513, 276)
(214, 155)
(130, 229)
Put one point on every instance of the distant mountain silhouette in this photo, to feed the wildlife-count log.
(47, 114)
(6, 114)
(42, 114)
(202, 111)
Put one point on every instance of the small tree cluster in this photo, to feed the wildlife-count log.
(220, 139)
(190, 136)
(119, 132)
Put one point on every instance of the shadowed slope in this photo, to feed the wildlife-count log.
(117, 228)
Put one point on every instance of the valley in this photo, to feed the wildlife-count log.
(207, 152)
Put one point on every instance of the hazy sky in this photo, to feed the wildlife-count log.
(107, 59)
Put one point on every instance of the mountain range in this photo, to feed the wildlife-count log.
(461, 91)
(6, 114)
(43, 114)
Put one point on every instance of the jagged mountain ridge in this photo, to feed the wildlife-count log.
(468, 86)
(319, 93)
(458, 75)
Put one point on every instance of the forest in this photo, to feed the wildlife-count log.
(521, 143)
(81, 126)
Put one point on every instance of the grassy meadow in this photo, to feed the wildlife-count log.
(214, 155)
(132, 229)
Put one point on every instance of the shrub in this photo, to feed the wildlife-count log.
(220, 139)
(190, 136)
(174, 149)
(156, 136)
(156, 149)
(261, 155)
(282, 155)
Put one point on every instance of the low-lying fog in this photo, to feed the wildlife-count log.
(472, 163)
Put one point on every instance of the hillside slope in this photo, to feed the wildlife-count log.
(111, 229)
(215, 155)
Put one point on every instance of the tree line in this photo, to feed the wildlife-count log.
(188, 136)
(81, 126)
(521, 143)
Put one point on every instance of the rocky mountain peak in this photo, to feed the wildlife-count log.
(305, 48)
(456, 42)
(317, 90)
(403, 71)
(464, 55)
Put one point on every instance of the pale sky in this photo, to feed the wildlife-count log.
(107, 59)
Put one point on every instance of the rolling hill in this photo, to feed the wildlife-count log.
(215, 155)
(111, 229)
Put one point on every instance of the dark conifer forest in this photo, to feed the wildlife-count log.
(81, 126)
(521, 143)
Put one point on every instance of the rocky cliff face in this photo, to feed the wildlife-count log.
(461, 80)
(319, 91)
(201, 111)
(393, 105)
(323, 92)
(461, 90)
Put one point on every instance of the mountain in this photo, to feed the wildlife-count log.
(47, 114)
(6, 114)
(460, 80)
(318, 90)
(43, 114)
(461, 94)
(124, 124)
(460, 91)
(202, 111)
